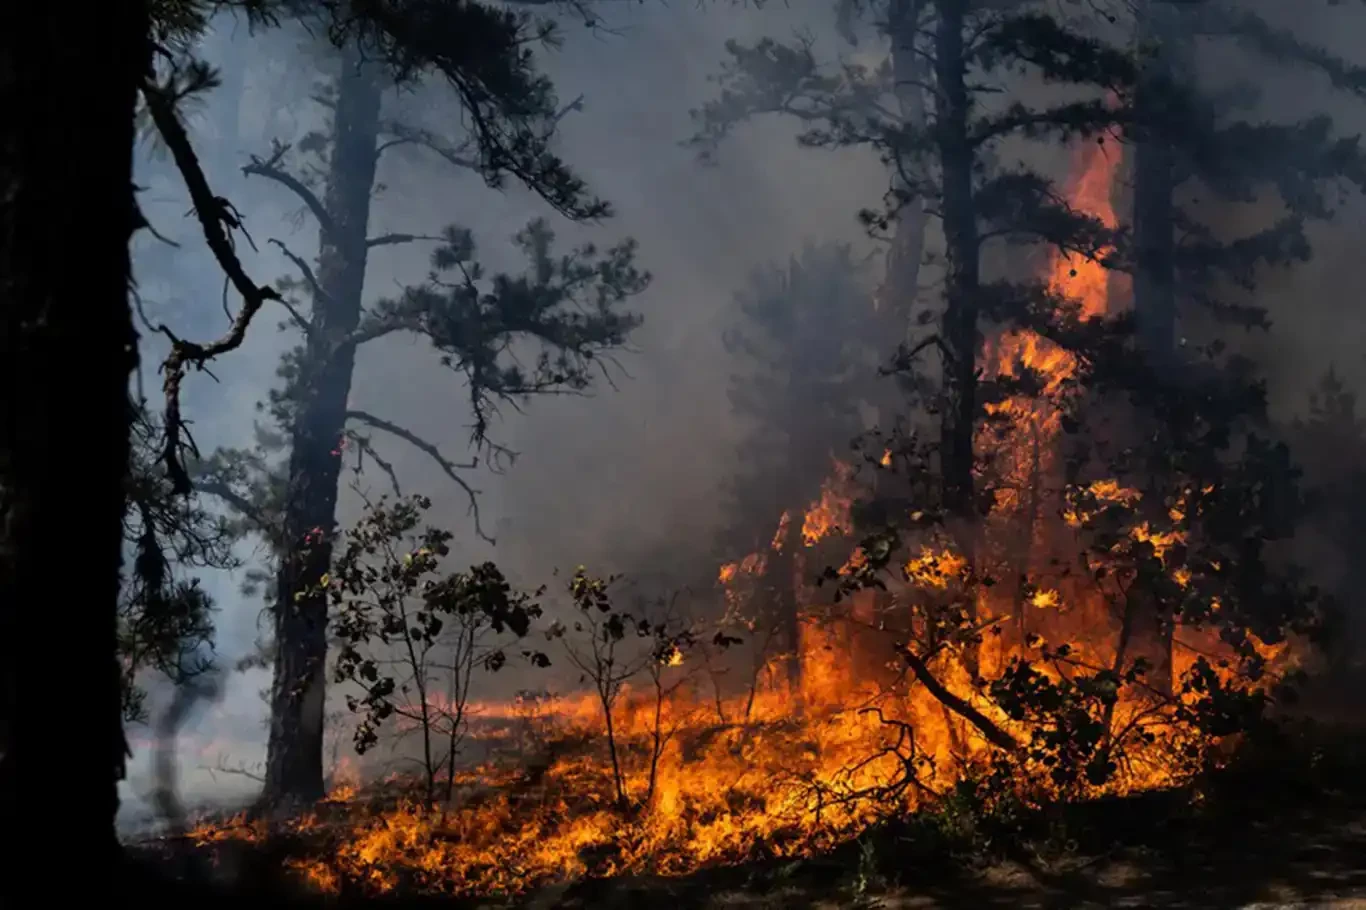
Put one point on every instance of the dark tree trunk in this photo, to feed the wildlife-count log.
(68, 86)
(1155, 275)
(294, 763)
(962, 282)
(787, 577)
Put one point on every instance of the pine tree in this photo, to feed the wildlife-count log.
(835, 105)
(1193, 152)
(807, 363)
(1178, 523)
(68, 178)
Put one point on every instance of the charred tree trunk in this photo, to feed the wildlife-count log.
(68, 84)
(962, 285)
(1155, 271)
(294, 758)
(786, 573)
(1033, 496)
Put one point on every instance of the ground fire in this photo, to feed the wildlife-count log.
(722, 754)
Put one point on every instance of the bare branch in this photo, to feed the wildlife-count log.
(271, 168)
(402, 134)
(448, 467)
(216, 216)
(365, 447)
(312, 280)
(395, 239)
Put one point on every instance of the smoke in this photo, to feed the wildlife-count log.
(1315, 321)
(626, 479)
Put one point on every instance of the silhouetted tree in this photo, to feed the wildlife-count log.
(832, 103)
(74, 178)
(807, 360)
(1330, 441)
(1196, 153)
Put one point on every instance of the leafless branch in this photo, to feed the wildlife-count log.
(448, 467)
(312, 280)
(365, 447)
(217, 217)
(272, 168)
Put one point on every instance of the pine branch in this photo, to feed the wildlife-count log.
(396, 239)
(216, 216)
(1285, 47)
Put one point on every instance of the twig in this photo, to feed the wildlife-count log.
(271, 169)
(448, 467)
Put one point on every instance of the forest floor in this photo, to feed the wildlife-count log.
(1313, 858)
(1285, 830)
(1158, 855)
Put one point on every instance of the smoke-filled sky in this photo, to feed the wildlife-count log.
(627, 479)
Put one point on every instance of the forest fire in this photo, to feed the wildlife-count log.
(723, 757)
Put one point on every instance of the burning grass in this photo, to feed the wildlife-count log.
(544, 807)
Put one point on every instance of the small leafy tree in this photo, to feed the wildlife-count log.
(603, 654)
(410, 637)
(611, 647)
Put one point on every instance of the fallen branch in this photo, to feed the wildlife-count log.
(994, 734)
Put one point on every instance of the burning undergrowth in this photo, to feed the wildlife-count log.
(1104, 626)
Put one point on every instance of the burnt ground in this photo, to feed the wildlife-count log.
(1307, 856)
(1305, 859)
(1274, 834)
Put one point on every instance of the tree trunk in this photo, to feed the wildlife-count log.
(962, 282)
(68, 86)
(787, 606)
(294, 765)
(902, 283)
(1155, 278)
